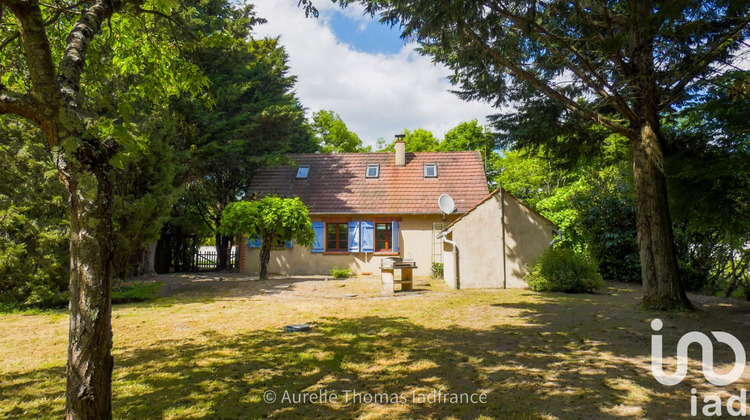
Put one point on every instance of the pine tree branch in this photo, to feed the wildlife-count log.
(548, 90)
(584, 70)
(703, 62)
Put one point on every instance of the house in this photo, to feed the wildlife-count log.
(369, 206)
(493, 243)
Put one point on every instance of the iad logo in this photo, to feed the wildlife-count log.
(707, 348)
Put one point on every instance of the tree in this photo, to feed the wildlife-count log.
(273, 219)
(622, 65)
(418, 140)
(143, 195)
(56, 59)
(255, 119)
(33, 221)
(333, 136)
(708, 167)
(467, 135)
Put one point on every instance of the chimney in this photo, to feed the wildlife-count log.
(400, 150)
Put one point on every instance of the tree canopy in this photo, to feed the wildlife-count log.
(274, 220)
(333, 136)
(254, 120)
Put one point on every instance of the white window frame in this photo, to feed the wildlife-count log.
(432, 166)
(304, 175)
(372, 166)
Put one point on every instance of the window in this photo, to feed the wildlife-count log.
(383, 237)
(430, 170)
(337, 237)
(303, 171)
(373, 171)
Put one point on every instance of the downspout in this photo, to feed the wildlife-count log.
(454, 247)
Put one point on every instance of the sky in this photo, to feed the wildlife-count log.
(349, 63)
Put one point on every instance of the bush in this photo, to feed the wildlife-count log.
(564, 270)
(340, 273)
(437, 271)
(137, 292)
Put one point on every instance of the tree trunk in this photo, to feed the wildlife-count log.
(90, 362)
(662, 288)
(222, 251)
(265, 256)
(148, 260)
(661, 279)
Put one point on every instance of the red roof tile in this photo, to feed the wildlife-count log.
(337, 183)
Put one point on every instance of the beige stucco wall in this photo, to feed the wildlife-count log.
(479, 241)
(527, 236)
(479, 238)
(415, 242)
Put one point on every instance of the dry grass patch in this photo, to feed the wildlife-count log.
(210, 348)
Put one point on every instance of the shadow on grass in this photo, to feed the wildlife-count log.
(547, 366)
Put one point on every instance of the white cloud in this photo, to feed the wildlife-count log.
(377, 95)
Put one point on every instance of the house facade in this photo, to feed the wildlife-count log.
(492, 244)
(368, 206)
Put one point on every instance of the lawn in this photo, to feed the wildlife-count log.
(211, 347)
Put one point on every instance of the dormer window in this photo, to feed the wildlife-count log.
(373, 171)
(303, 172)
(430, 170)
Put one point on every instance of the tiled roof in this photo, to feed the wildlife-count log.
(337, 183)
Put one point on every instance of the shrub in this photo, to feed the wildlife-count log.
(137, 292)
(564, 270)
(340, 273)
(437, 271)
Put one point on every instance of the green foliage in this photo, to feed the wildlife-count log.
(137, 291)
(144, 194)
(708, 167)
(564, 270)
(340, 273)
(333, 136)
(468, 135)
(527, 175)
(256, 117)
(592, 202)
(33, 221)
(273, 218)
(436, 271)
(419, 140)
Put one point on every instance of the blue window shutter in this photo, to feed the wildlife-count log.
(394, 230)
(353, 236)
(288, 244)
(319, 228)
(254, 242)
(368, 236)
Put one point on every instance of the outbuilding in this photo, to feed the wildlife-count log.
(494, 242)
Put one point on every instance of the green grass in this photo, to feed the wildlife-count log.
(212, 347)
(138, 291)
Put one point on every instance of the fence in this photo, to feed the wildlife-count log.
(205, 259)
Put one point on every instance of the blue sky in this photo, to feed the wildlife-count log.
(369, 36)
(349, 63)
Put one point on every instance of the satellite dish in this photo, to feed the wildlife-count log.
(446, 204)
